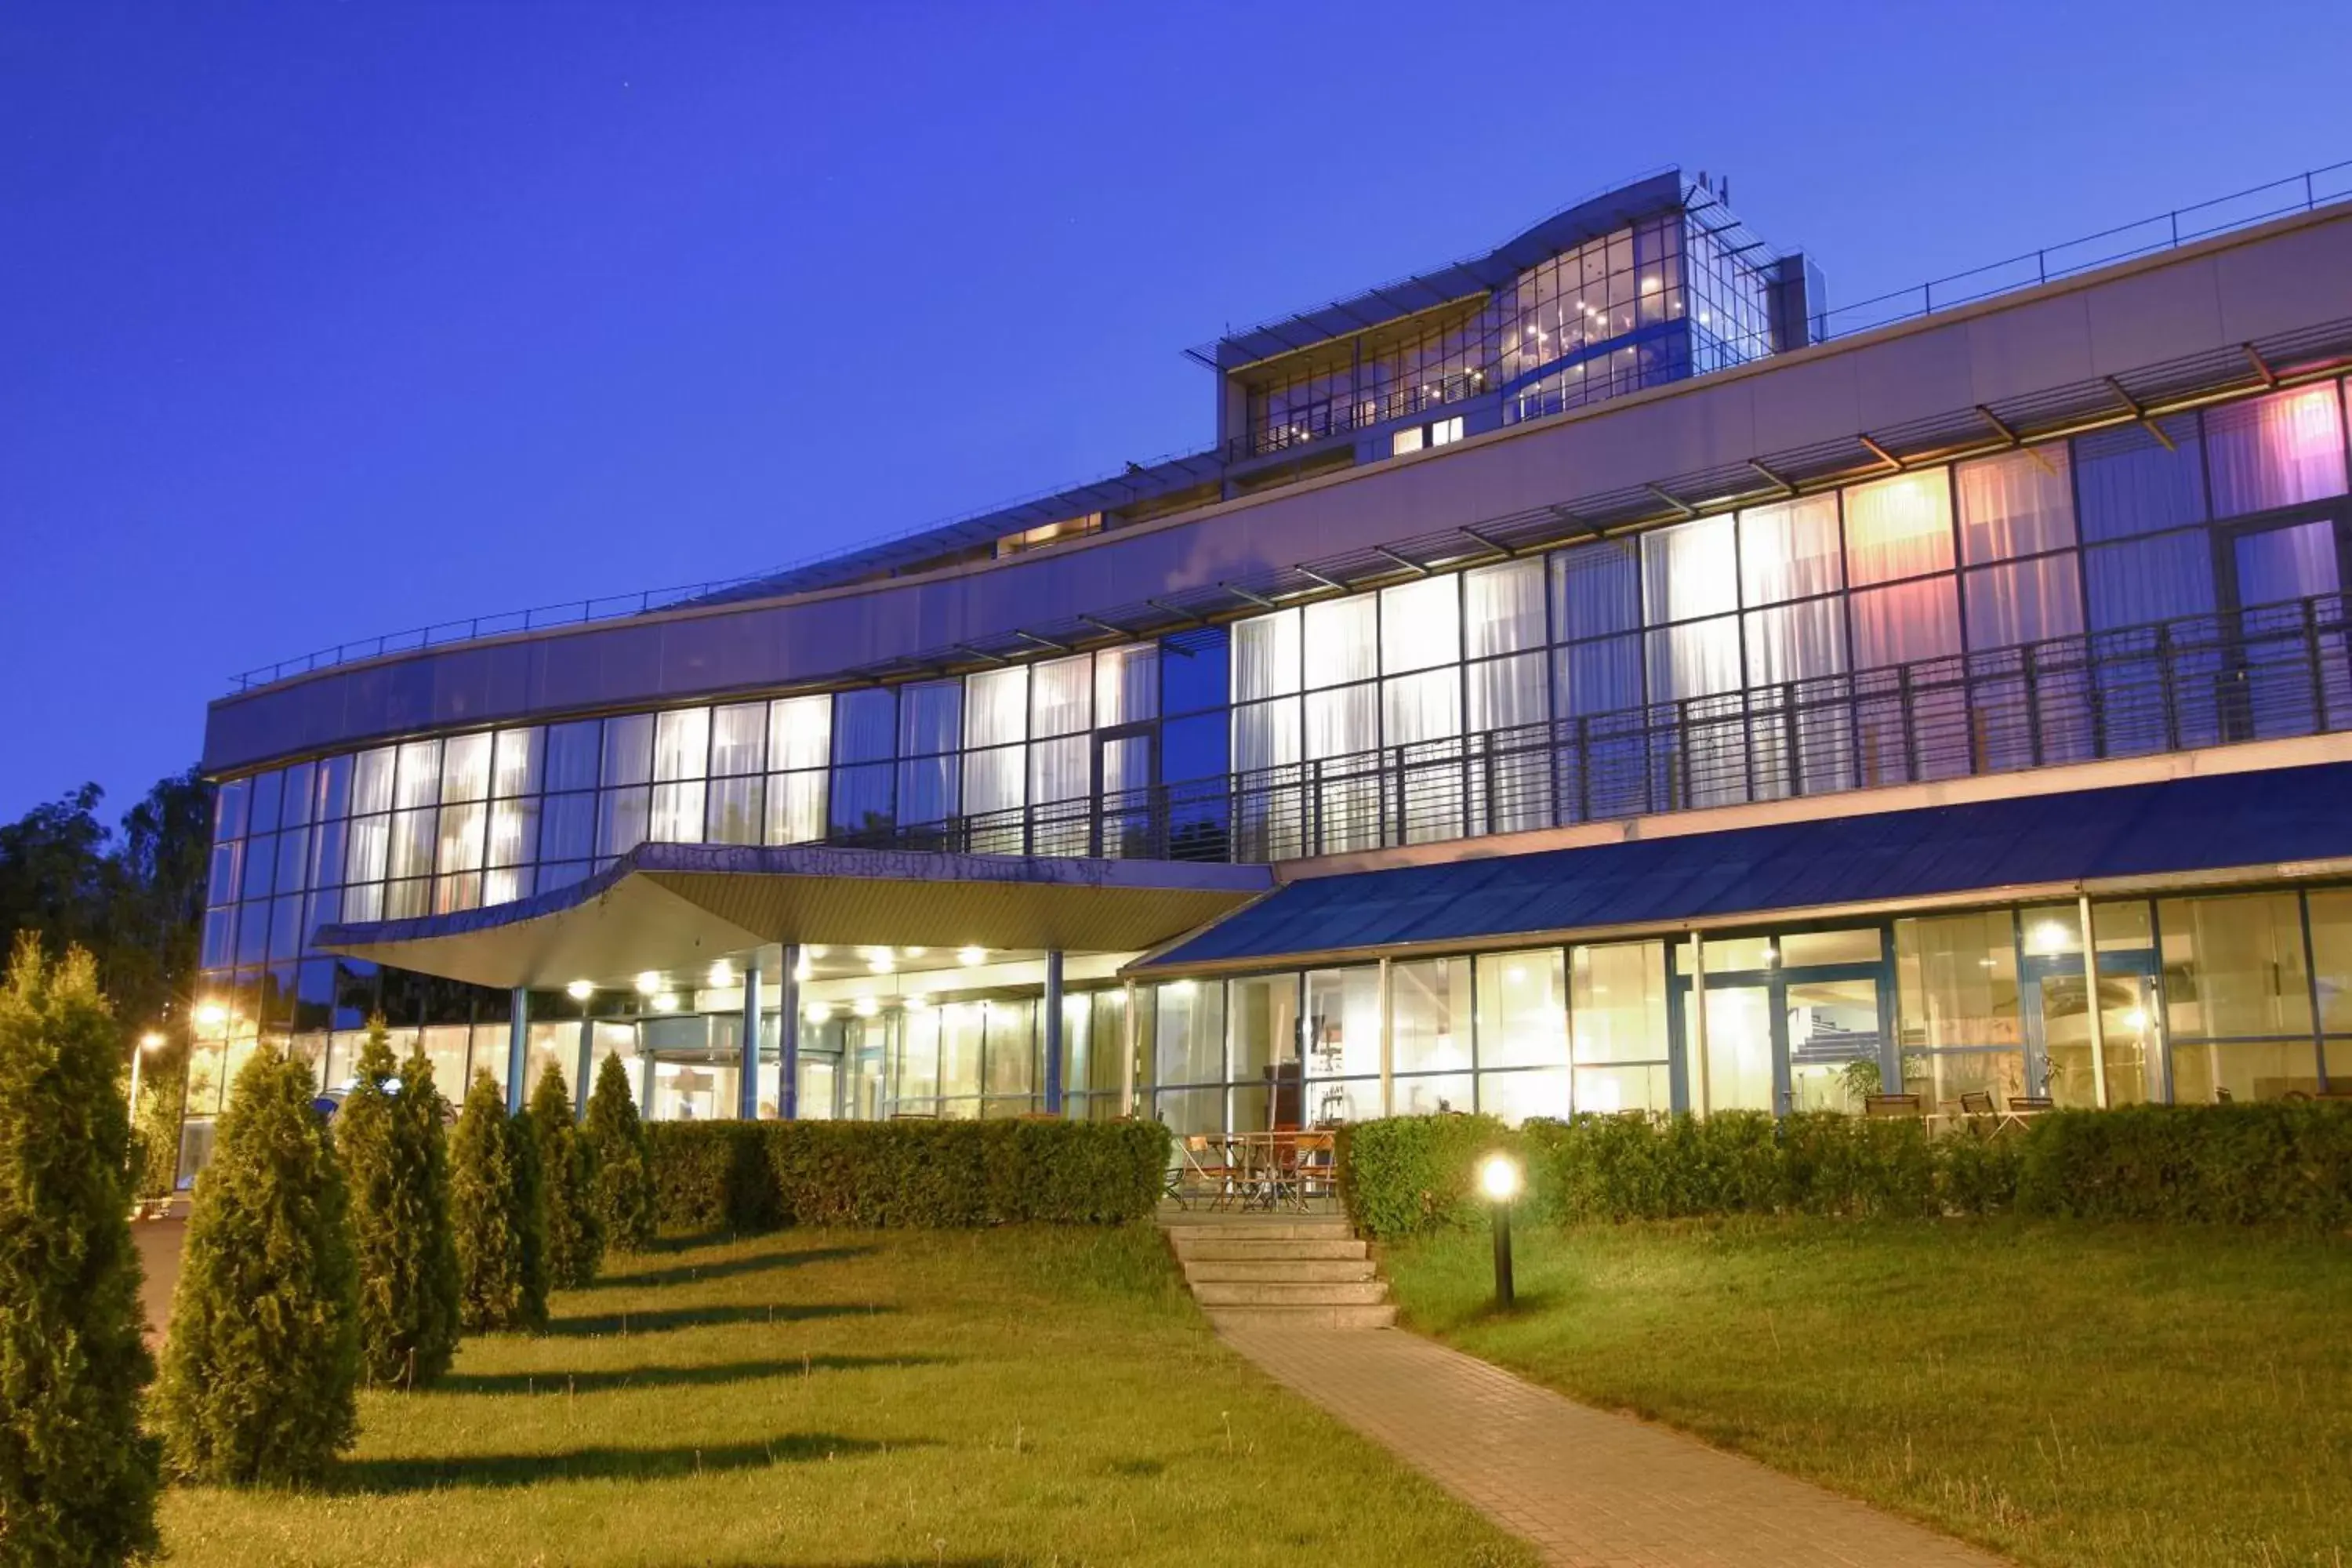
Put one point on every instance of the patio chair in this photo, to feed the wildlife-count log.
(1205, 1169)
(1977, 1102)
(1893, 1105)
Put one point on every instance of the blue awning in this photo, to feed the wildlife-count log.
(2268, 824)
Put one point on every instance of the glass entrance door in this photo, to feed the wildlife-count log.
(1787, 1022)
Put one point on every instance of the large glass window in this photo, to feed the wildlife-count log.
(1617, 1012)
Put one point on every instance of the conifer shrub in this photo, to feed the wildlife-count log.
(498, 1211)
(78, 1479)
(575, 1236)
(396, 1162)
(261, 1369)
(621, 1179)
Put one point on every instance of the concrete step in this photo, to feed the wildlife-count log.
(1251, 1293)
(1382, 1316)
(1276, 1270)
(1207, 1249)
(1194, 1233)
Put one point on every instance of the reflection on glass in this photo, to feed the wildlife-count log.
(1738, 1062)
(1832, 1024)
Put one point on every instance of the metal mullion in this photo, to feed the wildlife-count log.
(2311, 982)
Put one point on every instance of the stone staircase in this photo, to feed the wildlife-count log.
(1296, 1270)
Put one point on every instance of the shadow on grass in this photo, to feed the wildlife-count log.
(663, 1318)
(731, 1268)
(387, 1476)
(606, 1378)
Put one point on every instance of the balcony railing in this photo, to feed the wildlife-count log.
(2202, 680)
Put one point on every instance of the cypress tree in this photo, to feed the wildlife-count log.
(576, 1237)
(396, 1158)
(263, 1362)
(621, 1160)
(77, 1478)
(499, 1212)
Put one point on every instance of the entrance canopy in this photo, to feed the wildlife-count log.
(2267, 825)
(680, 906)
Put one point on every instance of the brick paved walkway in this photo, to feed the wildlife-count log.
(1586, 1486)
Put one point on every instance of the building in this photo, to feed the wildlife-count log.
(1586, 677)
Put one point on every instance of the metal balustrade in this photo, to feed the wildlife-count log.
(2202, 680)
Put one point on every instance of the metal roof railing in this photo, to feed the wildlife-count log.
(2305, 191)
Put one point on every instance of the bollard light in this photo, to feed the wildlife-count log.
(1498, 1178)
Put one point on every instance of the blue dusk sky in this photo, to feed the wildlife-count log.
(324, 320)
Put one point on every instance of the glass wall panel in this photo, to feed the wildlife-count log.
(1618, 1030)
(1736, 1072)
(2234, 966)
(1596, 589)
(2276, 451)
(1420, 627)
(1343, 1042)
(1430, 1018)
(1789, 551)
(2131, 483)
(2019, 503)
(1263, 1015)
(1899, 527)
(1522, 1010)
(1504, 608)
(1189, 1032)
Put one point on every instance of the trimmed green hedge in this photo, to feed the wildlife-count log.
(2267, 1163)
(753, 1176)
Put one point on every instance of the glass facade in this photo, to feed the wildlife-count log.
(1651, 303)
(2129, 591)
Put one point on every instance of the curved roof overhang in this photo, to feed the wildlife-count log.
(675, 906)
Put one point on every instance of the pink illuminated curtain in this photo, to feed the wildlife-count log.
(2020, 503)
(2276, 451)
(1899, 526)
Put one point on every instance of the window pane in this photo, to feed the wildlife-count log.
(1596, 588)
(1266, 656)
(1343, 1024)
(465, 768)
(864, 723)
(1428, 1015)
(2130, 482)
(621, 817)
(1341, 723)
(1789, 551)
(1420, 625)
(1617, 1001)
(1341, 640)
(1126, 685)
(572, 751)
(2150, 580)
(1689, 570)
(1425, 707)
(628, 750)
(1061, 693)
(1795, 642)
(1522, 1010)
(570, 833)
(2276, 451)
(739, 741)
(1190, 1032)
(514, 833)
(515, 763)
(677, 813)
(1912, 621)
(2027, 602)
(2282, 563)
(1899, 527)
(417, 780)
(2019, 503)
(2234, 966)
(1513, 1097)
(795, 813)
(1505, 611)
(931, 718)
(1956, 978)
(800, 733)
(1603, 677)
(2331, 947)
(1696, 659)
(682, 748)
(461, 836)
(995, 712)
(371, 781)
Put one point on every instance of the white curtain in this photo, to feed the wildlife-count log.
(1899, 526)
(1896, 626)
(1060, 770)
(1059, 694)
(1266, 656)
(1795, 642)
(1424, 706)
(1698, 658)
(1689, 570)
(514, 764)
(1420, 625)
(2131, 483)
(1126, 685)
(461, 837)
(677, 810)
(1503, 608)
(2276, 451)
(364, 849)
(995, 720)
(1342, 722)
(371, 781)
(738, 740)
(2025, 601)
(419, 776)
(800, 733)
(1341, 640)
(735, 810)
(465, 767)
(1788, 550)
(2019, 503)
(682, 745)
(1596, 589)
(795, 807)
(628, 750)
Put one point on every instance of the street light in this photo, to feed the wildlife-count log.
(1498, 1178)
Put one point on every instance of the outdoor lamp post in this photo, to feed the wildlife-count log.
(1498, 1178)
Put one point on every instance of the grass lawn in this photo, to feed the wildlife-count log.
(1012, 1396)
(2065, 1394)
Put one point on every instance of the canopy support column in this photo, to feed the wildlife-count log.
(1053, 1033)
(517, 1045)
(788, 1035)
(748, 1092)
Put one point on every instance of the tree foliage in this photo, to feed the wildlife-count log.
(498, 1208)
(575, 1236)
(621, 1162)
(262, 1364)
(396, 1158)
(78, 1479)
